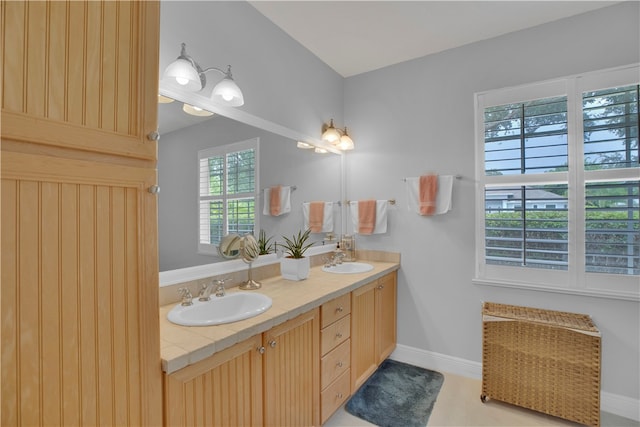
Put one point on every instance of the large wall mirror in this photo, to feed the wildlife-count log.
(315, 176)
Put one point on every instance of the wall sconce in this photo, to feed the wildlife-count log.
(338, 137)
(188, 73)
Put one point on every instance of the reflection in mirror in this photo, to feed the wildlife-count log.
(230, 246)
(280, 162)
(250, 252)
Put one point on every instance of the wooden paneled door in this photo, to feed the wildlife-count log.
(79, 298)
(292, 372)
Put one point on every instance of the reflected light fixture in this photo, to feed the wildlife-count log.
(320, 150)
(164, 99)
(186, 72)
(338, 137)
(304, 145)
(196, 111)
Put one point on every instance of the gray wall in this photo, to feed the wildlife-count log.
(282, 81)
(418, 116)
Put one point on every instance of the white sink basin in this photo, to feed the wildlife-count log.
(349, 268)
(229, 308)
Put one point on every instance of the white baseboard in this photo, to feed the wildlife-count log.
(616, 404)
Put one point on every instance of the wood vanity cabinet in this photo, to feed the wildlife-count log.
(373, 327)
(335, 339)
(270, 379)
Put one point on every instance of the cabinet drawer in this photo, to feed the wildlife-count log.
(335, 395)
(334, 310)
(335, 363)
(334, 334)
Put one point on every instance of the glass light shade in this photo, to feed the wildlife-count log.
(183, 72)
(346, 143)
(304, 145)
(164, 99)
(320, 150)
(227, 92)
(196, 111)
(331, 135)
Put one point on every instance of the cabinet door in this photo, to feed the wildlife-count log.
(222, 390)
(364, 360)
(386, 307)
(79, 300)
(292, 372)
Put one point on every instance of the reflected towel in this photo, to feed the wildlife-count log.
(443, 196)
(380, 216)
(428, 190)
(316, 216)
(284, 195)
(327, 216)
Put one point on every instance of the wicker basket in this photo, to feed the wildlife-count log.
(548, 361)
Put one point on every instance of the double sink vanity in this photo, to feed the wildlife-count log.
(311, 344)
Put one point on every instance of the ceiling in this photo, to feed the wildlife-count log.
(354, 37)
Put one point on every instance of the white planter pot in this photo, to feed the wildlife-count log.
(295, 268)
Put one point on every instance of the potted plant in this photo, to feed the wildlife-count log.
(265, 246)
(294, 265)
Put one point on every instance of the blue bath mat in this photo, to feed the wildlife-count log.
(397, 395)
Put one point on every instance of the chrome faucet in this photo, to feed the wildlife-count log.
(205, 292)
(187, 298)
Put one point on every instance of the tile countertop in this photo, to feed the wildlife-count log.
(181, 346)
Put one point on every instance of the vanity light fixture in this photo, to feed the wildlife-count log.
(320, 150)
(196, 111)
(164, 99)
(188, 74)
(338, 137)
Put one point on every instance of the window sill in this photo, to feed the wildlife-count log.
(626, 296)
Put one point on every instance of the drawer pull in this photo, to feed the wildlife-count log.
(339, 364)
(340, 309)
(339, 335)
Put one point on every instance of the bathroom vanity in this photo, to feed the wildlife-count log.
(292, 365)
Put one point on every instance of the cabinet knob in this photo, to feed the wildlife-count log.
(339, 364)
(272, 343)
(381, 287)
(260, 349)
(153, 136)
(339, 335)
(154, 189)
(340, 309)
(339, 395)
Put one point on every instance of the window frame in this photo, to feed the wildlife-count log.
(575, 279)
(224, 150)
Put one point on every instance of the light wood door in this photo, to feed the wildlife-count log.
(292, 372)
(386, 307)
(222, 390)
(372, 304)
(79, 299)
(364, 360)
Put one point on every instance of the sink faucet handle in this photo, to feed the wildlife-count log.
(205, 292)
(187, 298)
(220, 292)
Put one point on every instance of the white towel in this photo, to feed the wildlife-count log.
(443, 198)
(285, 201)
(381, 216)
(327, 216)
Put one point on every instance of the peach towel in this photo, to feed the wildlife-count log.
(316, 216)
(428, 193)
(274, 200)
(366, 216)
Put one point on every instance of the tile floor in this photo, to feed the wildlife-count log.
(458, 404)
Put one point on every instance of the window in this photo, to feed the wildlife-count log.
(227, 192)
(560, 184)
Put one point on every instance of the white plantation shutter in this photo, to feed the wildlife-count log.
(227, 192)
